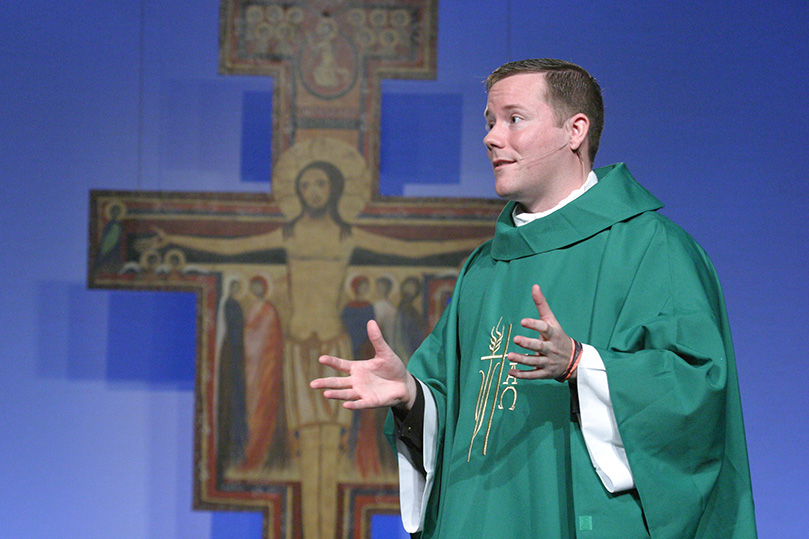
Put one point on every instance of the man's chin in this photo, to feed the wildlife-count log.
(506, 193)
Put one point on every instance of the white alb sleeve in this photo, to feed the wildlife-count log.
(414, 488)
(598, 423)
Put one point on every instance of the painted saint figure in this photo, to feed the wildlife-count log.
(384, 310)
(263, 352)
(409, 328)
(355, 317)
(232, 432)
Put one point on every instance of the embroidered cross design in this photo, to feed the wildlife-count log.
(491, 380)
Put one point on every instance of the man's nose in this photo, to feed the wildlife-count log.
(493, 138)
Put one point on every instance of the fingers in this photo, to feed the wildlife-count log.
(352, 399)
(336, 387)
(544, 329)
(532, 374)
(341, 395)
(547, 326)
(529, 360)
(535, 345)
(336, 363)
(548, 348)
(534, 361)
(551, 348)
(375, 336)
(341, 389)
(543, 309)
(381, 347)
(334, 382)
(539, 366)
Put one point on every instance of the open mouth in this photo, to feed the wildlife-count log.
(499, 163)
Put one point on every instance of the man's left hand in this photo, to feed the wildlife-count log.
(552, 348)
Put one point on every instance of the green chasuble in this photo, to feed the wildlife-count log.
(512, 462)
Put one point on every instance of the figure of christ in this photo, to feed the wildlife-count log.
(318, 244)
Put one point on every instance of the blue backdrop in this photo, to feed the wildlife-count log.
(706, 102)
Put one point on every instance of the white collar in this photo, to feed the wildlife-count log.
(523, 218)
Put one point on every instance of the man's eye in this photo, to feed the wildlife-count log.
(515, 119)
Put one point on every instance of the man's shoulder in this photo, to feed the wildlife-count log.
(481, 255)
(661, 224)
(654, 236)
(656, 225)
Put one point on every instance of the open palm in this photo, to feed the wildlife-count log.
(380, 381)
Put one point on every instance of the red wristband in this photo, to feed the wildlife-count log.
(575, 357)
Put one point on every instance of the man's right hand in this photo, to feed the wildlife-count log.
(378, 382)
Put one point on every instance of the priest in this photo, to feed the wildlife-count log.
(582, 382)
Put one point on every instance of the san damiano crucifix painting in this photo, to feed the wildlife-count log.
(282, 278)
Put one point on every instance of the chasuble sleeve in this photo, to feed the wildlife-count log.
(672, 379)
(417, 486)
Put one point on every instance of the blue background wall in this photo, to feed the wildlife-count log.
(706, 102)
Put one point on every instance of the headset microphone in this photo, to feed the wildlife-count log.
(544, 154)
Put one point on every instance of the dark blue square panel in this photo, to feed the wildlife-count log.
(152, 338)
(256, 147)
(420, 140)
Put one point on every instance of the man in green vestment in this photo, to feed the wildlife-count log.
(616, 414)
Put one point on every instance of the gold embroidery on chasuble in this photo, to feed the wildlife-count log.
(493, 386)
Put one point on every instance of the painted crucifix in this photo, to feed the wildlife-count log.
(281, 279)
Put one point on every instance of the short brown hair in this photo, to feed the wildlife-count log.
(571, 90)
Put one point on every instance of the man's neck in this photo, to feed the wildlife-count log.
(567, 178)
(522, 217)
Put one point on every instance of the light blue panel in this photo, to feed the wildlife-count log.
(199, 131)
(387, 527)
(69, 344)
(236, 525)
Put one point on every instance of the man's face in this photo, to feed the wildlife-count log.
(525, 143)
(315, 188)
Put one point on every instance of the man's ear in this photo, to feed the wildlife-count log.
(579, 128)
